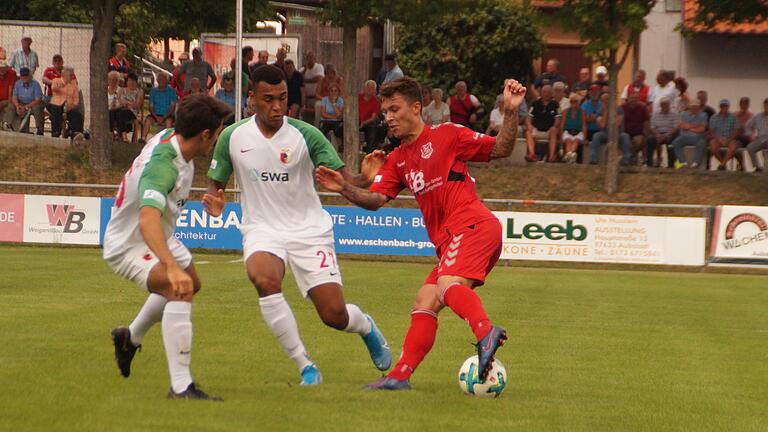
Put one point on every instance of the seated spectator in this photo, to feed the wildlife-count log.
(426, 97)
(549, 77)
(581, 88)
(323, 88)
(703, 96)
(664, 124)
(130, 101)
(743, 117)
(66, 99)
(332, 112)
(369, 113)
(757, 131)
(693, 126)
(636, 120)
(162, 106)
(543, 123)
(665, 88)
(601, 72)
(465, 107)
(113, 102)
(592, 107)
(638, 87)
(178, 79)
(7, 81)
(573, 128)
(52, 72)
(601, 137)
(682, 100)
(723, 130)
(119, 63)
(437, 111)
(558, 95)
(195, 86)
(245, 79)
(497, 117)
(26, 100)
(297, 97)
(226, 94)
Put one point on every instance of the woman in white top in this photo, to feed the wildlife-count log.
(113, 95)
(437, 111)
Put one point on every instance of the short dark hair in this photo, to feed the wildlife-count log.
(58, 57)
(132, 76)
(270, 74)
(198, 112)
(408, 87)
(247, 49)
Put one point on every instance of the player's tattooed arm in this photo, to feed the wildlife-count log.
(514, 93)
(334, 181)
(214, 200)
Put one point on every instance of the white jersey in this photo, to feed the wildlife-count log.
(276, 177)
(159, 177)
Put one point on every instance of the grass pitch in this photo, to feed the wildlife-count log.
(588, 351)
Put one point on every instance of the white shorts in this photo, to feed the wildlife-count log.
(137, 261)
(567, 136)
(313, 261)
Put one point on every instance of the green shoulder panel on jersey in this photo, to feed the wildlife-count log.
(221, 164)
(158, 177)
(320, 149)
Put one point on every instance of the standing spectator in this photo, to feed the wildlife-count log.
(665, 88)
(601, 73)
(743, 115)
(693, 126)
(682, 100)
(280, 59)
(51, 73)
(24, 57)
(248, 55)
(601, 137)
(757, 130)
(313, 73)
(573, 128)
(723, 130)
(297, 97)
(636, 123)
(465, 107)
(178, 78)
(226, 94)
(7, 81)
(558, 95)
(369, 112)
(638, 87)
(162, 106)
(200, 69)
(66, 99)
(119, 62)
(27, 100)
(245, 80)
(130, 100)
(592, 107)
(550, 76)
(664, 124)
(543, 123)
(332, 112)
(390, 71)
(262, 59)
(437, 111)
(426, 98)
(581, 88)
(324, 88)
(703, 97)
(113, 102)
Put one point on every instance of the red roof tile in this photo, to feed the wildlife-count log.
(690, 7)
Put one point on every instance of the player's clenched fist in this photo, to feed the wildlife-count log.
(514, 93)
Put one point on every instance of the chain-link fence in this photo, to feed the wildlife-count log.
(72, 41)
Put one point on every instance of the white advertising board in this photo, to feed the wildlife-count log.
(60, 219)
(739, 235)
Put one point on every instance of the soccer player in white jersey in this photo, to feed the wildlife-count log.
(139, 244)
(273, 158)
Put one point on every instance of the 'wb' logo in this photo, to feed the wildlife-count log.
(63, 215)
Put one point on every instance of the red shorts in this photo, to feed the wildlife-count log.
(471, 253)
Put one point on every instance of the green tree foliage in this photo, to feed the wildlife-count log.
(749, 11)
(493, 41)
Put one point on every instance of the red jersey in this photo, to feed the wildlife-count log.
(6, 84)
(434, 168)
(366, 109)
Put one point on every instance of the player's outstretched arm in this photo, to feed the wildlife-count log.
(514, 93)
(372, 162)
(152, 230)
(334, 181)
(214, 200)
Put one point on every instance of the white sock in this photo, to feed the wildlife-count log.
(150, 313)
(358, 323)
(280, 320)
(177, 337)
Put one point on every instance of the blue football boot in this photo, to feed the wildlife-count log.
(311, 376)
(378, 347)
(387, 383)
(486, 348)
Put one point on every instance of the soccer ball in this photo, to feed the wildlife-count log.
(470, 382)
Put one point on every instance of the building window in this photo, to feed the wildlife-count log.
(673, 5)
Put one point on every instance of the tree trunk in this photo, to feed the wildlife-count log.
(351, 121)
(167, 50)
(104, 12)
(612, 158)
(186, 46)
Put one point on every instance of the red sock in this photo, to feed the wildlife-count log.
(418, 342)
(465, 303)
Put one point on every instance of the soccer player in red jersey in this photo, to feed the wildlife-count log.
(432, 163)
